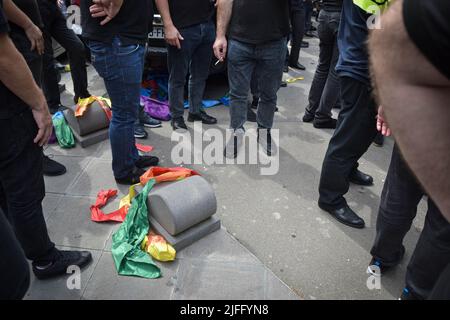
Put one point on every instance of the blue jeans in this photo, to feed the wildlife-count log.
(267, 61)
(193, 57)
(121, 68)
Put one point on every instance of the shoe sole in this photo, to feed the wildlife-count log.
(153, 126)
(209, 123)
(361, 184)
(140, 137)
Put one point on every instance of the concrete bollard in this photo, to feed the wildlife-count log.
(180, 205)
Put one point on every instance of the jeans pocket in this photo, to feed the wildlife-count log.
(127, 50)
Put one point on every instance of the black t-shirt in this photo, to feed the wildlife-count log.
(17, 34)
(428, 25)
(10, 104)
(259, 21)
(186, 13)
(132, 24)
(332, 5)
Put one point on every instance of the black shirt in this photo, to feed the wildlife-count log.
(132, 24)
(10, 104)
(259, 21)
(332, 5)
(186, 13)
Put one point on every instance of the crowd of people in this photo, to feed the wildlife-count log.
(389, 79)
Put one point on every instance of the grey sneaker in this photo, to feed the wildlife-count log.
(234, 144)
(148, 121)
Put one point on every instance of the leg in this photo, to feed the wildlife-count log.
(270, 70)
(432, 253)
(76, 53)
(121, 68)
(330, 93)
(298, 30)
(14, 270)
(178, 64)
(441, 290)
(199, 67)
(22, 186)
(241, 65)
(49, 73)
(355, 132)
(398, 207)
(327, 42)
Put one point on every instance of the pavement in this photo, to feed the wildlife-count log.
(275, 242)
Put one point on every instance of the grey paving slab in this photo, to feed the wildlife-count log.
(275, 289)
(71, 225)
(57, 288)
(199, 279)
(97, 176)
(74, 165)
(106, 284)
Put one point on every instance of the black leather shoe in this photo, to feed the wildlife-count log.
(325, 124)
(346, 216)
(178, 123)
(52, 168)
(283, 84)
(308, 117)
(297, 65)
(146, 161)
(360, 178)
(203, 117)
(132, 178)
(251, 115)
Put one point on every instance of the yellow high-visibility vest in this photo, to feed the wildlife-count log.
(369, 5)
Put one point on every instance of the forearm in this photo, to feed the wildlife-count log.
(15, 15)
(164, 11)
(224, 10)
(16, 76)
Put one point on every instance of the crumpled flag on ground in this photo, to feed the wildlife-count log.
(83, 104)
(63, 132)
(103, 196)
(158, 247)
(161, 174)
(144, 148)
(126, 249)
(128, 257)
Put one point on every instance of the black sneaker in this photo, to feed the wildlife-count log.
(251, 115)
(265, 141)
(62, 261)
(146, 161)
(139, 132)
(203, 117)
(132, 178)
(308, 117)
(52, 168)
(178, 123)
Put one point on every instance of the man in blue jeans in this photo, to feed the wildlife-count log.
(257, 32)
(190, 34)
(116, 32)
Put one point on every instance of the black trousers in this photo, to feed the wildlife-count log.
(55, 26)
(355, 131)
(324, 92)
(14, 271)
(400, 197)
(298, 31)
(22, 186)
